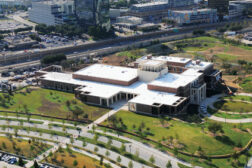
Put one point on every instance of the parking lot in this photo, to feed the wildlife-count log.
(57, 41)
(8, 24)
(18, 79)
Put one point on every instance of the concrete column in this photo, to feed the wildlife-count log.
(108, 102)
(127, 96)
(100, 101)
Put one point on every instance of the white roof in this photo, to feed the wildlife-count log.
(109, 72)
(166, 58)
(173, 80)
(201, 66)
(105, 90)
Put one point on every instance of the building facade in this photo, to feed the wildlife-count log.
(51, 12)
(221, 6)
(93, 12)
(196, 16)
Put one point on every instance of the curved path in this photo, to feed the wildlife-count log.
(145, 152)
(209, 102)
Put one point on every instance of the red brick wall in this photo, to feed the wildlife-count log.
(117, 82)
(162, 89)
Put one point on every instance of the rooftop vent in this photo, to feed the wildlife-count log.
(197, 62)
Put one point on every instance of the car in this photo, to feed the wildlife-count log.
(12, 161)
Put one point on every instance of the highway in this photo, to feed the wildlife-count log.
(96, 52)
(99, 48)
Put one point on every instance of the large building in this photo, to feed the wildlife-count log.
(151, 88)
(51, 12)
(93, 12)
(220, 5)
(158, 9)
(196, 16)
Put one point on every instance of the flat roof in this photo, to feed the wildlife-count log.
(202, 65)
(193, 10)
(109, 72)
(166, 58)
(173, 80)
(105, 90)
(149, 4)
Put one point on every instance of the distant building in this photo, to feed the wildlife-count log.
(51, 12)
(129, 22)
(157, 10)
(221, 6)
(235, 10)
(14, 2)
(193, 16)
(93, 12)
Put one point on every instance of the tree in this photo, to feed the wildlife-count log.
(96, 149)
(20, 162)
(215, 127)
(123, 148)
(35, 165)
(107, 153)
(101, 160)
(118, 159)
(130, 165)
(152, 159)
(77, 111)
(75, 162)
(169, 165)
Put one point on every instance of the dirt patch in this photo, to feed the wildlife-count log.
(50, 108)
(237, 130)
(230, 50)
(115, 60)
(237, 149)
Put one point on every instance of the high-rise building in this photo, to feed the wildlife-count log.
(220, 5)
(93, 12)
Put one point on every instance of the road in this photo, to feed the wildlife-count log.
(92, 52)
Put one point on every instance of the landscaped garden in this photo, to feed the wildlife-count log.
(29, 149)
(246, 84)
(70, 159)
(184, 136)
(233, 106)
(49, 102)
(209, 138)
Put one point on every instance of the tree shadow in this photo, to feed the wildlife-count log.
(225, 139)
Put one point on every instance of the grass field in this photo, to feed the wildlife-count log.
(209, 46)
(233, 106)
(49, 102)
(22, 147)
(239, 97)
(66, 158)
(189, 136)
(246, 84)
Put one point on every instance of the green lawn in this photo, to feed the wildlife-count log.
(246, 84)
(49, 102)
(189, 136)
(226, 57)
(233, 106)
(239, 97)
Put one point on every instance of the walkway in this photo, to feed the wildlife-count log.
(116, 107)
(144, 150)
(209, 102)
